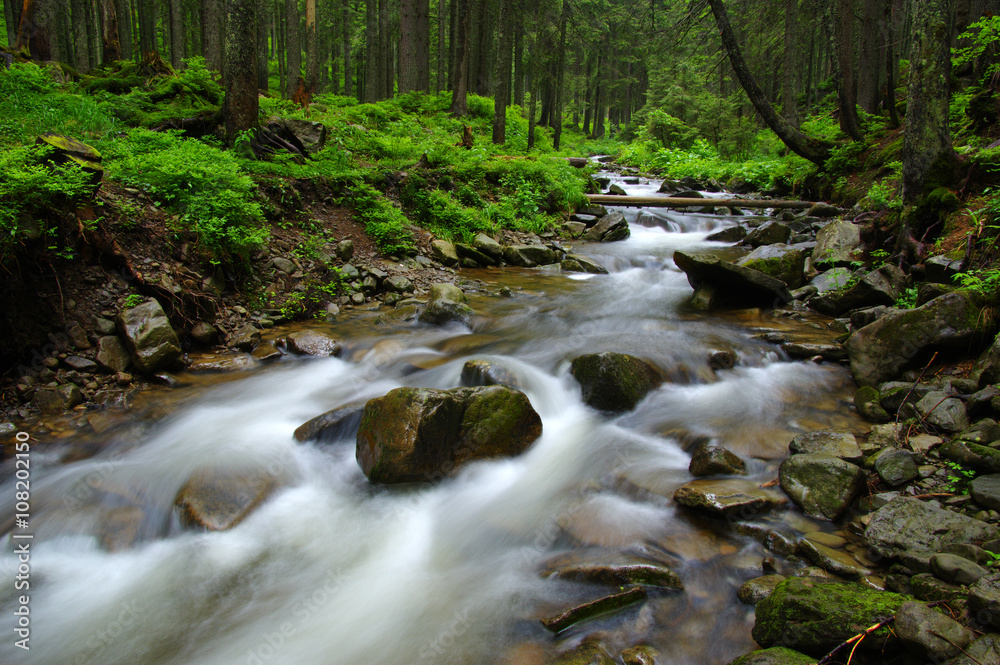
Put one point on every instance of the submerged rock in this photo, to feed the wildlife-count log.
(219, 500)
(755, 590)
(150, 338)
(618, 574)
(419, 434)
(313, 343)
(339, 423)
(730, 498)
(614, 381)
(827, 442)
(574, 615)
(528, 256)
(716, 460)
(610, 228)
(580, 263)
(488, 373)
(443, 311)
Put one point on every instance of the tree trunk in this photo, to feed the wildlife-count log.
(81, 56)
(414, 54)
(844, 35)
(211, 33)
(262, 74)
(279, 30)
(345, 26)
(34, 30)
(894, 17)
(241, 105)
(870, 67)
(371, 52)
(814, 150)
(501, 96)
(109, 35)
(439, 83)
(519, 56)
(789, 82)
(557, 110)
(293, 50)
(125, 38)
(176, 34)
(384, 54)
(10, 20)
(93, 31)
(312, 48)
(460, 81)
(927, 153)
(146, 13)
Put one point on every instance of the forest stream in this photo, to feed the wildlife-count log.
(334, 569)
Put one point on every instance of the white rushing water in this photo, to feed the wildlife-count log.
(331, 569)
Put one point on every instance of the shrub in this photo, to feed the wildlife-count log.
(384, 222)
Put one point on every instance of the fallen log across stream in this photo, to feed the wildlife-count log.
(674, 202)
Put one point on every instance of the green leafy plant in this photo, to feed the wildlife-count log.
(907, 299)
(133, 300)
(958, 478)
(983, 281)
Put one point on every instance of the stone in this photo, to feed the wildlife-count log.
(220, 362)
(468, 253)
(779, 261)
(987, 368)
(838, 244)
(265, 352)
(821, 613)
(603, 605)
(647, 574)
(614, 381)
(588, 653)
(775, 656)
(488, 373)
(444, 252)
(80, 364)
(218, 500)
(835, 561)
(66, 150)
(580, 263)
(345, 250)
(349, 272)
(881, 350)
(925, 586)
(738, 285)
(956, 570)
(895, 466)
(402, 315)
(716, 460)
(883, 436)
(823, 210)
(104, 326)
(399, 284)
(878, 287)
(930, 634)
(867, 402)
(617, 190)
(984, 600)
(828, 352)
(728, 234)
(973, 456)
(334, 425)
(529, 256)
(981, 652)
(419, 434)
(833, 279)
(640, 655)
(827, 442)
(306, 135)
(284, 265)
(822, 485)
(985, 491)
(313, 343)
(722, 359)
(941, 269)
(246, 338)
(753, 591)
(729, 498)
(574, 229)
(77, 336)
(610, 228)
(940, 410)
(488, 246)
(204, 333)
(769, 233)
(149, 337)
(448, 292)
(907, 525)
(443, 311)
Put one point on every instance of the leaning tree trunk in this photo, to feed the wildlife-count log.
(240, 70)
(815, 150)
(927, 150)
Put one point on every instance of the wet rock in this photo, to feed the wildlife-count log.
(828, 352)
(984, 650)
(895, 466)
(941, 269)
(448, 292)
(246, 338)
(334, 425)
(640, 655)
(927, 633)
(575, 615)
(832, 560)
(941, 410)
(881, 350)
(827, 442)
(488, 246)
(399, 284)
(149, 337)
(893, 394)
(834, 279)
(728, 234)
(488, 373)
(580, 263)
(716, 460)
(910, 525)
(867, 402)
(984, 600)
(774, 656)
(77, 336)
(416, 434)
(614, 381)
(588, 653)
(444, 252)
(218, 500)
(925, 586)
(736, 285)
(529, 256)
(204, 333)
(265, 352)
(726, 498)
(610, 228)
(779, 261)
(80, 364)
(822, 613)
(769, 233)
(985, 491)
(443, 311)
(755, 590)
(53, 401)
(221, 362)
(313, 343)
(823, 210)
(406, 314)
(119, 527)
(822, 485)
(469, 255)
(647, 574)
(878, 287)
(838, 244)
(722, 359)
(956, 570)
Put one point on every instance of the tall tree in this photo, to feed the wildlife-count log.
(241, 105)
(846, 91)
(81, 53)
(815, 150)
(442, 50)
(109, 26)
(11, 16)
(211, 33)
(124, 16)
(372, 62)
(557, 111)
(36, 30)
(460, 78)
(293, 50)
(177, 47)
(312, 47)
(789, 85)
(414, 47)
(263, 15)
(501, 95)
(345, 26)
(146, 12)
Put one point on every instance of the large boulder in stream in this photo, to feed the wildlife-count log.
(774, 656)
(879, 287)
(528, 256)
(610, 228)
(420, 434)
(881, 350)
(780, 261)
(219, 500)
(614, 381)
(822, 485)
(150, 338)
(816, 614)
(734, 285)
(838, 244)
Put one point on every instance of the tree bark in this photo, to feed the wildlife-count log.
(814, 150)
(345, 26)
(109, 36)
(293, 50)
(146, 13)
(927, 152)
(844, 34)
(10, 20)
(519, 56)
(241, 105)
(460, 81)
(371, 51)
(176, 34)
(125, 38)
(442, 50)
(211, 33)
(870, 67)
(557, 110)
(81, 55)
(384, 54)
(789, 83)
(263, 7)
(501, 96)
(34, 30)
(312, 48)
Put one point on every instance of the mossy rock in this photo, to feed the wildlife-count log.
(815, 614)
(774, 656)
(614, 381)
(866, 401)
(778, 261)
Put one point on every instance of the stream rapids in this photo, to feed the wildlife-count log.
(331, 569)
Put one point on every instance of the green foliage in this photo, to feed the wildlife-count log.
(985, 36)
(882, 195)
(983, 281)
(29, 188)
(669, 131)
(844, 158)
(383, 221)
(134, 300)
(907, 299)
(203, 185)
(959, 478)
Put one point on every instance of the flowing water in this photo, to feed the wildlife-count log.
(331, 569)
